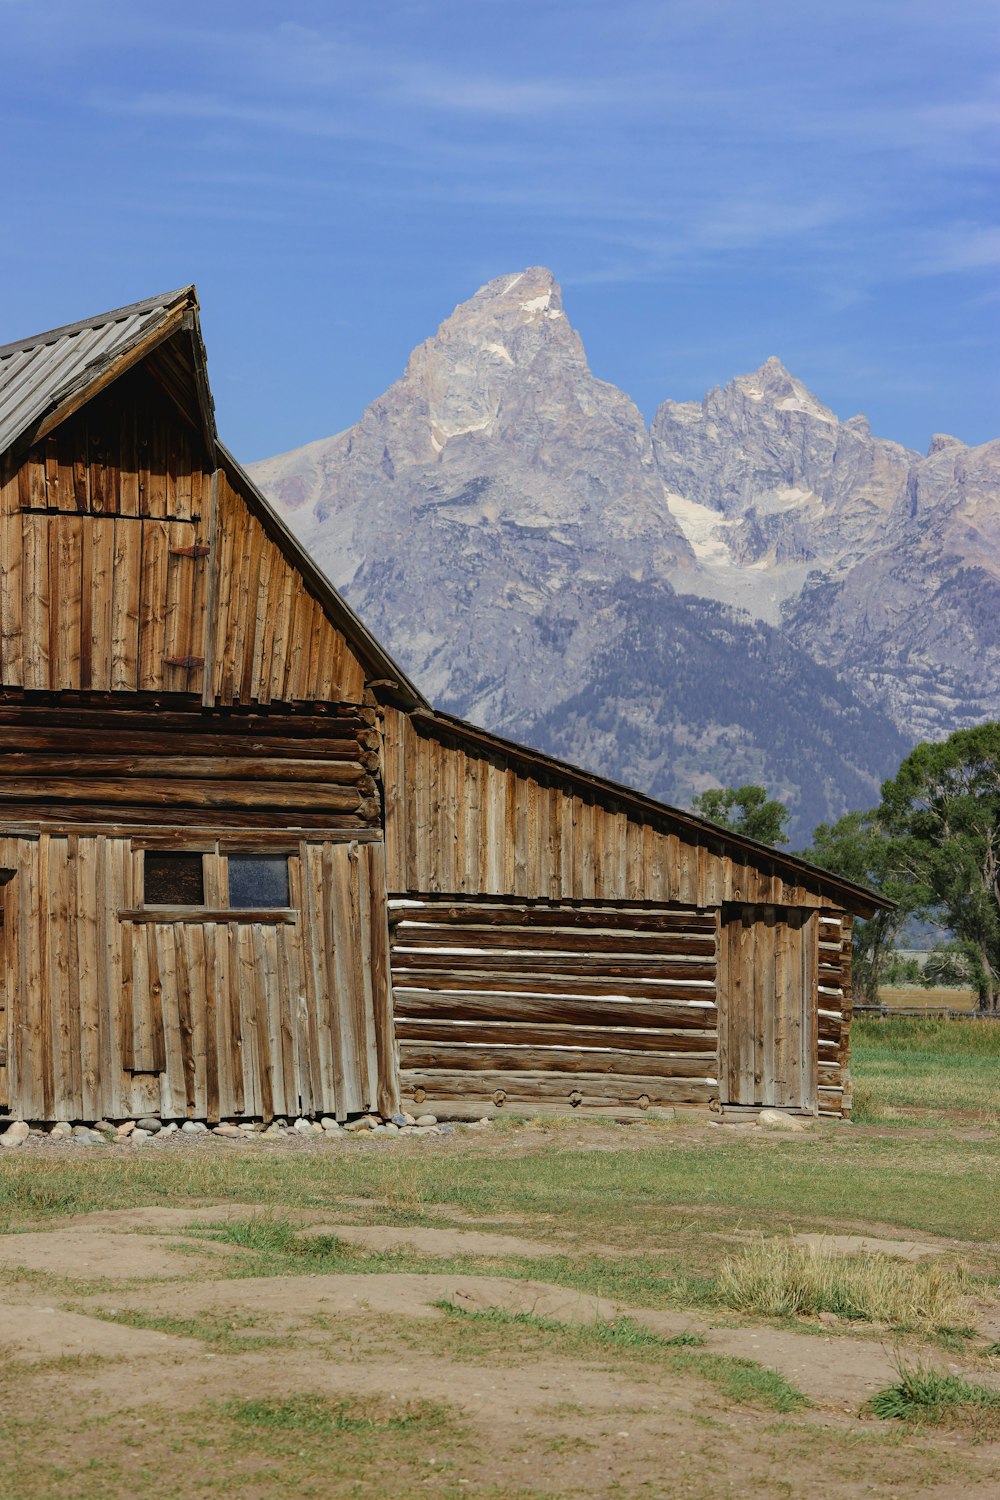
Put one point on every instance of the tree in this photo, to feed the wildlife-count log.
(744, 809)
(942, 812)
(859, 848)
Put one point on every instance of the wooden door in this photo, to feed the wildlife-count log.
(767, 1006)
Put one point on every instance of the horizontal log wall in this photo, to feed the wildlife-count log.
(98, 762)
(588, 1006)
(107, 1016)
(459, 819)
(116, 575)
(834, 1015)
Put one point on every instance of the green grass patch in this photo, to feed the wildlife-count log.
(227, 1334)
(933, 1066)
(625, 1197)
(741, 1381)
(603, 1333)
(746, 1383)
(925, 1396)
(321, 1417)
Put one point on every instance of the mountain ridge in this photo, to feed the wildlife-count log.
(498, 514)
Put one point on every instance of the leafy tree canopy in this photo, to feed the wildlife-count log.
(745, 809)
(932, 846)
(857, 847)
(942, 815)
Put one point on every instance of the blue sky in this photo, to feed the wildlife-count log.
(712, 181)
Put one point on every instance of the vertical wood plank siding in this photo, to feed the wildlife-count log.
(116, 547)
(591, 1006)
(540, 839)
(108, 1016)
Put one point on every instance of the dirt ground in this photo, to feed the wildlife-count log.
(135, 1346)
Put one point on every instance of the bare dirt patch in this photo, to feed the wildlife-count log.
(442, 1242)
(88, 1254)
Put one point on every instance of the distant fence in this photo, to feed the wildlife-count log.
(939, 1002)
(926, 1012)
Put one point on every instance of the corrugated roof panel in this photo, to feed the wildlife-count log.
(37, 373)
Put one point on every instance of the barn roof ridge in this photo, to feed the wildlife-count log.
(163, 301)
(40, 374)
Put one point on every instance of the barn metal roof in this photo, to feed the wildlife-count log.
(38, 374)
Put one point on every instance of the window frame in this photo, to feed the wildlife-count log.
(215, 882)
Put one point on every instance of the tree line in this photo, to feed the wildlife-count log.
(931, 846)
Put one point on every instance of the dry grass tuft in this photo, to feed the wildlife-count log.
(780, 1279)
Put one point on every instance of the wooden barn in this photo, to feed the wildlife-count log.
(246, 870)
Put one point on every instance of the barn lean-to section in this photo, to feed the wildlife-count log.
(245, 869)
(558, 938)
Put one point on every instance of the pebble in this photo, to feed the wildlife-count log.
(424, 1120)
(168, 1129)
(226, 1129)
(89, 1137)
(140, 1137)
(247, 1128)
(274, 1129)
(126, 1129)
(193, 1127)
(302, 1124)
(15, 1134)
(328, 1124)
(399, 1119)
(103, 1125)
(149, 1123)
(445, 1129)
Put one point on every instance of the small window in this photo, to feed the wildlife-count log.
(258, 882)
(174, 880)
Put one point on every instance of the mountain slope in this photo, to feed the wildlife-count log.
(876, 560)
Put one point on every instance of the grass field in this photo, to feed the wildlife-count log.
(941, 1069)
(651, 1331)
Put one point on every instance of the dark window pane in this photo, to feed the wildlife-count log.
(258, 881)
(174, 880)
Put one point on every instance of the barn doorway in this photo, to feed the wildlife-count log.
(768, 959)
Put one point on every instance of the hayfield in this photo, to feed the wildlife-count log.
(918, 997)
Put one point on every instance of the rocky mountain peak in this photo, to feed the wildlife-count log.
(775, 387)
(512, 332)
(942, 440)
